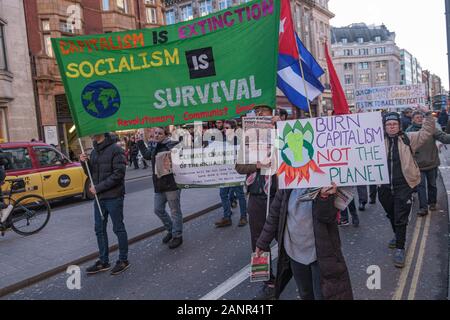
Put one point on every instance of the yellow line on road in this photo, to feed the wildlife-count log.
(419, 263)
(409, 257)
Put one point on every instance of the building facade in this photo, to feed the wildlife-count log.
(47, 19)
(364, 57)
(17, 102)
(312, 23)
(410, 69)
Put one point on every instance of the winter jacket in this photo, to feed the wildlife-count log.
(165, 183)
(334, 277)
(409, 167)
(443, 119)
(108, 166)
(427, 156)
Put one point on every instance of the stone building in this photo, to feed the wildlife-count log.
(17, 102)
(365, 57)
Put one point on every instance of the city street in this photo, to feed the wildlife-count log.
(213, 263)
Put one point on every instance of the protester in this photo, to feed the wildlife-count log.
(283, 114)
(443, 119)
(427, 158)
(227, 193)
(406, 119)
(107, 165)
(396, 197)
(258, 188)
(134, 152)
(166, 189)
(309, 247)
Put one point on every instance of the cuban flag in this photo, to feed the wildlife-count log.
(290, 53)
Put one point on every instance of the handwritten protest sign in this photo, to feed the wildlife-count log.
(258, 140)
(390, 97)
(348, 150)
(210, 167)
(214, 67)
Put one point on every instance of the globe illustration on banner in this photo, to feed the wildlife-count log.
(100, 99)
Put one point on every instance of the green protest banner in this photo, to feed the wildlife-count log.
(214, 67)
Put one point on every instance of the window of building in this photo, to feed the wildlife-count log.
(48, 45)
(381, 50)
(66, 27)
(363, 66)
(381, 64)
(151, 15)
(205, 7)
(48, 157)
(348, 79)
(377, 39)
(364, 78)
(150, 2)
(186, 12)
(348, 66)
(363, 52)
(344, 40)
(105, 5)
(360, 40)
(45, 25)
(170, 17)
(223, 4)
(381, 76)
(18, 159)
(348, 52)
(3, 64)
(122, 5)
(350, 94)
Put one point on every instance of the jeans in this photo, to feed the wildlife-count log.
(114, 209)
(362, 194)
(428, 179)
(173, 222)
(307, 279)
(225, 195)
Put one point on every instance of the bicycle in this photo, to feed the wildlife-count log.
(30, 213)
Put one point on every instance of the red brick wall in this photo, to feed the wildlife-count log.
(33, 27)
(92, 14)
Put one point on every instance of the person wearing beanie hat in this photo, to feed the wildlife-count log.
(427, 158)
(406, 119)
(404, 176)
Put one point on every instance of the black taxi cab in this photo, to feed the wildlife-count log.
(45, 170)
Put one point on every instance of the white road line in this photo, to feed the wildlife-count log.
(234, 280)
(409, 257)
(419, 263)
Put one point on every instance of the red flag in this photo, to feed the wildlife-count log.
(287, 44)
(340, 103)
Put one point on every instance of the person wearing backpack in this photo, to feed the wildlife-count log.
(404, 174)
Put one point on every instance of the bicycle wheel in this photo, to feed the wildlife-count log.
(30, 215)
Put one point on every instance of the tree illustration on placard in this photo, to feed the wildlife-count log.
(297, 153)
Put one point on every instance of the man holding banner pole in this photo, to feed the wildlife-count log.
(107, 164)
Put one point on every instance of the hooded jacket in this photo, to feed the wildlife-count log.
(108, 166)
(165, 183)
(409, 167)
(427, 156)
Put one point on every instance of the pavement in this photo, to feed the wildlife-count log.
(213, 263)
(70, 235)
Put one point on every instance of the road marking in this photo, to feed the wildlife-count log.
(419, 263)
(409, 257)
(234, 280)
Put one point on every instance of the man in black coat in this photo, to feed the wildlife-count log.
(108, 165)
